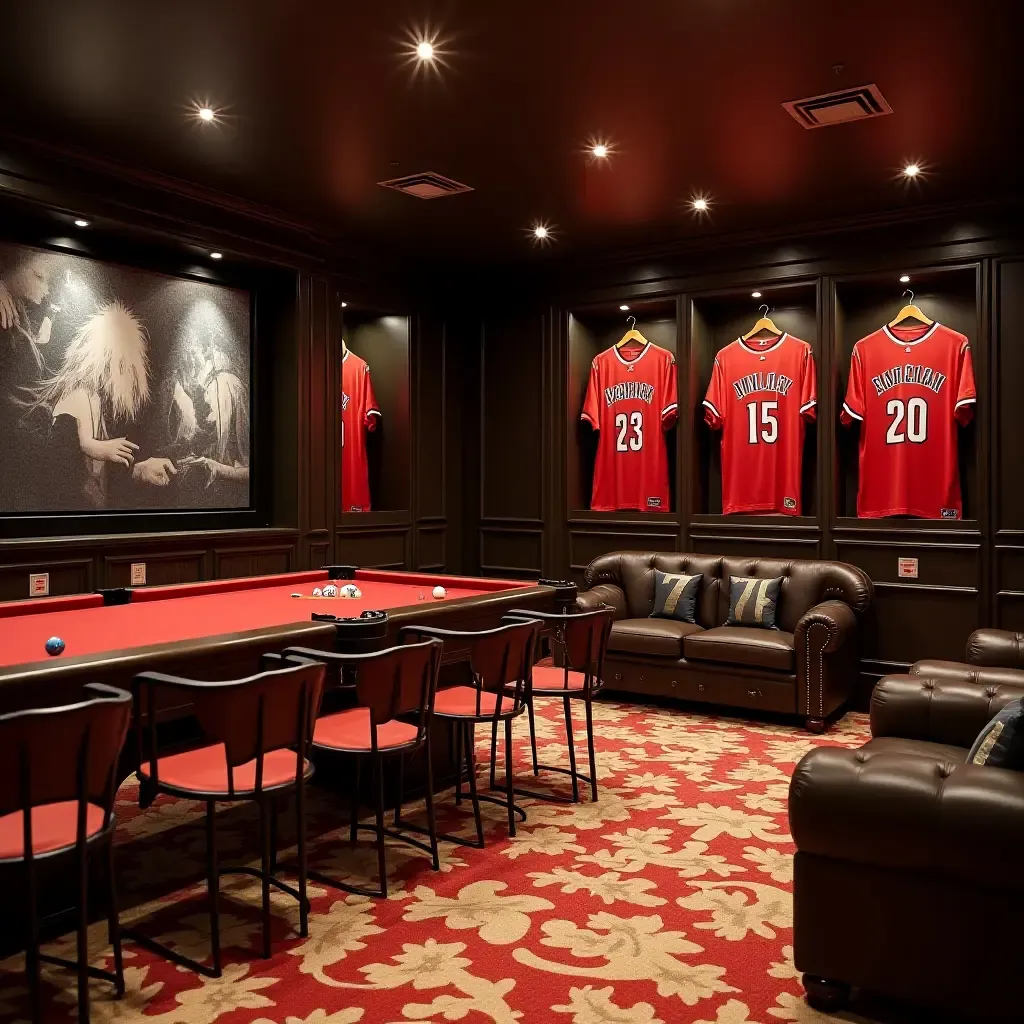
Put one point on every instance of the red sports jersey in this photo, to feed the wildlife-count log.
(760, 395)
(910, 386)
(359, 413)
(631, 402)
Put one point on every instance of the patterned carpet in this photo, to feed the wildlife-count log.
(667, 901)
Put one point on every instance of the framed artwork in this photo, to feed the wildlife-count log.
(121, 390)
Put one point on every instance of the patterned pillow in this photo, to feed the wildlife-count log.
(675, 596)
(1001, 743)
(754, 601)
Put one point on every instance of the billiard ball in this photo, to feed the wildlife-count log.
(440, 592)
(349, 590)
(330, 590)
(317, 592)
(356, 593)
(54, 646)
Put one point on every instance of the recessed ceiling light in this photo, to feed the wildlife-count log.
(216, 255)
(600, 150)
(905, 279)
(425, 49)
(81, 222)
(206, 114)
(911, 170)
(540, 231)
(700, 204)
(624, 307)
(755, 295)
(344, 304)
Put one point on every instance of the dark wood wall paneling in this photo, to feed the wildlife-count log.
(829, 290)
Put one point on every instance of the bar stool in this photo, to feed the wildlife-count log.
(256, 735)
(389, 684)
(499, 663)
(581, 638)
(58, 775)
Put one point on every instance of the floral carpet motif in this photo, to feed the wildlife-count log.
(667, 901)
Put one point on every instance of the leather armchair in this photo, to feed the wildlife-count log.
(807, 667)
(908, 876)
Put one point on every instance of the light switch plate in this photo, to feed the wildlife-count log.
(38, 584)
(138, 574)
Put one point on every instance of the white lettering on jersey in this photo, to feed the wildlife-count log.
(777, 382)
(909, 374)
(629, 390)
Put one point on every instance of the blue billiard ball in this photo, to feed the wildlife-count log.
(54, 646)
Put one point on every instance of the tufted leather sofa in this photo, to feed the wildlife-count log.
(806, 667)
(908, 877)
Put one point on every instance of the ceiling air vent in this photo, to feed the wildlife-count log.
(428, 185)
(839, 107)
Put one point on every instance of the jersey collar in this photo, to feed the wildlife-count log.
(924, 337)
(761, 351)
(631, 362)
(345, 356)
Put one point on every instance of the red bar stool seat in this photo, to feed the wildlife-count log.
(204, 771)
(350, 732)
(462, 701)
(54, 828)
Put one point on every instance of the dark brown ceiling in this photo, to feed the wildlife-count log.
(320, 104)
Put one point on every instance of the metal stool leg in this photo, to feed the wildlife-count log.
(300, 837)
(508, 777)
(572, 750)
(378, 769)
(83, 935)
(471, 765)
(353, 834)
(213, 886)
(533, 735)
(431, 819)
(265, 829)
(590, 748)
(113, 922)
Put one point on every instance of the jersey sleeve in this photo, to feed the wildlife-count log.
(372, 413)
(591, 413)
(966, 395)
(670, 413)
(714, 400)
(853, 404)
(808, 387)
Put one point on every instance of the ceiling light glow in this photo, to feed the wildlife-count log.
(81, 222)
(344, 304)
(905, 279)
(624, 308)
(425, 50)
(912, 170)
(540, 231)
(206, 114)
(755, 295)
(600, 150)
(216, 255)
(700, 204)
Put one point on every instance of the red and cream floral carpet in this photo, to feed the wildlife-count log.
(667, 901)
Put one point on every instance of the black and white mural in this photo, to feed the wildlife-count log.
(120, 389)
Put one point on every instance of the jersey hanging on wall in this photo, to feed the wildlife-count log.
(359, 413)
(762, 392)
(631, 402)
(909, 387)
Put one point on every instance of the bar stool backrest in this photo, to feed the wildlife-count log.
(250, 717)
(67, 753)
(581, 636)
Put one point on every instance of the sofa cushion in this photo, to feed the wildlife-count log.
(919, 748)
(675, 596)
(662, 637)
(743, 645)
(754, 601)
(1001, 743)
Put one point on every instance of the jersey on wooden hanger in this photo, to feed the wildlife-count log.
(761, 394)
(359, 413)
(631, 401)
(909, 387)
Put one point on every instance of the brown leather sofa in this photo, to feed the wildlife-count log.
(806, 667)
(908, 872)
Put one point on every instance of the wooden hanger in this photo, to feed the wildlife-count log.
(631, 335)
(764, 324)
(911, 310)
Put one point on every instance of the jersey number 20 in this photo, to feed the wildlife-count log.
(636, 440)
(915, 412)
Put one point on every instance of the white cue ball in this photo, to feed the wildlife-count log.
(440, 592)
(317, 592)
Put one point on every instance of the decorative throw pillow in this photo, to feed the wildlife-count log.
(754, 601)
(675, 596)
(1001, 743)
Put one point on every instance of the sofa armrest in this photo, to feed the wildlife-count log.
(603, 594)
(906, 811)
(997, 648)
(825, 645)
(937, 709)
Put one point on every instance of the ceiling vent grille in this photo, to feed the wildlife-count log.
(428, 185)
(839, 107)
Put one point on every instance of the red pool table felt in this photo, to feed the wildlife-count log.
(194, 610)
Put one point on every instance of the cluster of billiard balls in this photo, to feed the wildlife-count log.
(351, 590)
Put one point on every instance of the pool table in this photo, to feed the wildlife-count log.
(219, 629)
